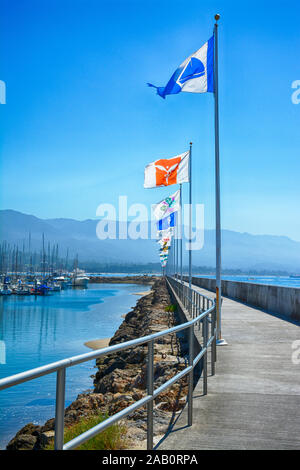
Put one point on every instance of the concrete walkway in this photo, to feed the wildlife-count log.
(253, 401)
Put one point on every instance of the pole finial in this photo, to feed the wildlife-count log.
(191, 143)
(217, 17)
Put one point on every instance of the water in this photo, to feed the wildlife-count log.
(123, 274)
(284, 281)
(37, 330)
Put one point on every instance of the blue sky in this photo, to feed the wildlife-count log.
(80, 124)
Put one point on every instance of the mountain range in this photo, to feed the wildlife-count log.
(239, 250)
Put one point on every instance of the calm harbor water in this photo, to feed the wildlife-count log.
(37, 330)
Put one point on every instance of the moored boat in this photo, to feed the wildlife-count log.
(80, 279)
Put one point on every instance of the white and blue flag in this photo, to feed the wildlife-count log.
(194, 75)
(167, 222)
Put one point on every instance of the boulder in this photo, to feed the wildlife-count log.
(22, 442)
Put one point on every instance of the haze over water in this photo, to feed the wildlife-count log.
(39, 330)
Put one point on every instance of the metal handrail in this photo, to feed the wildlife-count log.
(190, 299)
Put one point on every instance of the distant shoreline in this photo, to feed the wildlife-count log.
(124, 279)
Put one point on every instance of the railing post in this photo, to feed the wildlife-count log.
(60, 409)
(214, 343)
(192, 303)
(150, 392)
(191, 375)
(205, 340)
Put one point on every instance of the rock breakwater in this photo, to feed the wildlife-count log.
(120, 379)
(142, 279)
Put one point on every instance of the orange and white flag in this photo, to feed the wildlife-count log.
(165, 172)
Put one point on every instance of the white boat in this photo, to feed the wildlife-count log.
(23, 290)
(79, 278)
(63, 281)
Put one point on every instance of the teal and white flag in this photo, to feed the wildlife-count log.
(167, 206)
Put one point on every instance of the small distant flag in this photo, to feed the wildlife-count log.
(165, 172)
(167, 206)
(167, 222)
(194, 75)
(164, 242)
(165, 235)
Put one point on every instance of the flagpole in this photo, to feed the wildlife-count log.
(190, 217)
(174, 251)
(177, 232)
(176, 239)
(220, 341)
(181, 232)
(173, 257)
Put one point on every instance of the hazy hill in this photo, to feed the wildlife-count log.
(240, 250)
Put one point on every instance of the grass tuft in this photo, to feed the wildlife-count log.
(112, 438)
(171, 308)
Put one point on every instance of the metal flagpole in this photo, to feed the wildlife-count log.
(190, 217)
(174, 251)
(181, 233)
(220, 341)
(173, 257)
(176, 242)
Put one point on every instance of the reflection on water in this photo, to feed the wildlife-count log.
(38, 330)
